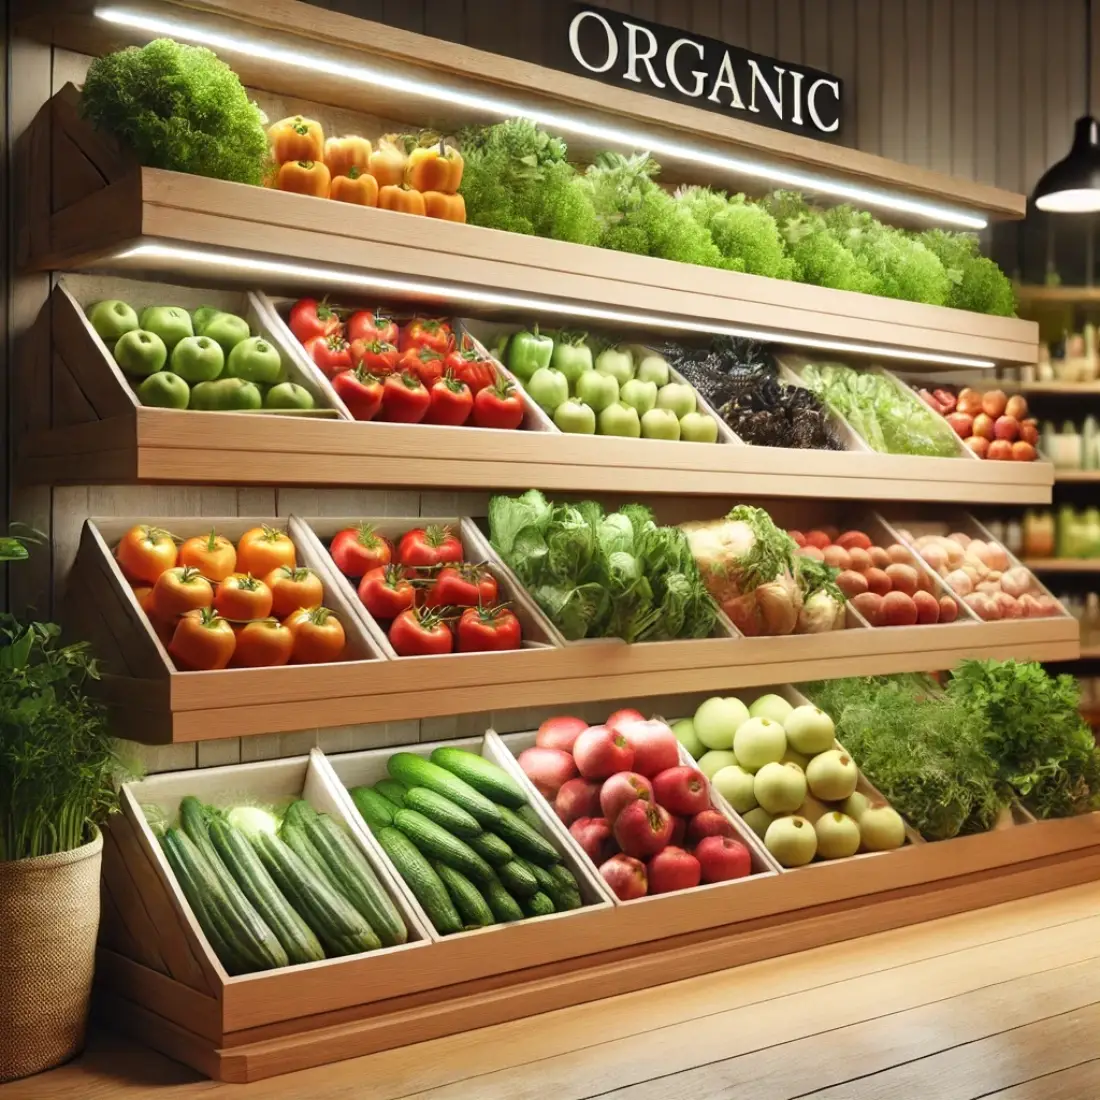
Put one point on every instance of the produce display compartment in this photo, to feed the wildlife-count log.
(845, 433)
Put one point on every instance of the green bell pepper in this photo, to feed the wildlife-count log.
(529, 352)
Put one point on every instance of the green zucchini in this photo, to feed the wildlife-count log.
(492, 849)
(374, 807)
(436, 843)
(297, 938)
(538, 905)
(393, 791)
(527, 813)
(505, 907)
(443, 812)
(415, 771)
(472, 907)
(518, 881)
(338, 925)
(524, 840)
(483, 775)
(426, 885)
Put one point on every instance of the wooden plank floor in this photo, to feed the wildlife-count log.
(1001, 1004)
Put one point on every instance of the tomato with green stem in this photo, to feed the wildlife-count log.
(331, 353)
(463, 585)
(179, 590)
(451, 404)
(359, 549)
(242, 597)
(264, 548)
(202, 641)
(420, 633)
(310, 318)
(471, 367)
(386, 591)
(425, 363)
(361, 391)
(264, 643)
(498, 406)
(318, 636)
(405, 399)
(425, 332)
(145, 552)
(213, 555)
(372, 325)
(488, 629)
(431, 545)
(292, 588)
(375, 357)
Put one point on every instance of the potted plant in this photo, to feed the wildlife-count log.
(58, 766)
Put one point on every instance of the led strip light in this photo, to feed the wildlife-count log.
(633, 140)
(461, 295)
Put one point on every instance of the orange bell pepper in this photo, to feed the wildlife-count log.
(387, 162)
(305, 177)
(355, 187)
(436, 167)
(343, 154)
(405, 200)
(296, 138)
(438, 204)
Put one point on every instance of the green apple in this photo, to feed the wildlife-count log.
(809, 730)
(289, 395)
(164, 390)
(616, 362)
(652, 368)
(780, 788)
(111, 319)
(548, 388)
(832, 776)
(639, 395)
(697, 427)
(718, 719)
(677, 396)
(255, 360)
(758, 820)
(757, 742)
(774, 707)
(737, 787)
(170, 323)
(881, 829)
(660, 424)
(200, 316)
(686, 735)
(140, 352)
(620, 419)
(226, 328)
(792, 841)
(855, 805)
(226, 395)
(572, 356)
(710, 763)
(575, 417)
(597, 390)
(837, 836)
(197, 359)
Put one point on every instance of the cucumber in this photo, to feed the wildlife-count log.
(527, 813)
(415, 771)
(297, 938)
(492, 849)
(337, 924)
(505, 907)
(565, 900)
(436, 843)
(296, 838)
(392, 791)
(472, 907)
(426, 885)
(538, 905)
(524, 840)
(374, 808)
(518, 881)
(546, 881)
(443, 812)
(483, 775)
(565, 878)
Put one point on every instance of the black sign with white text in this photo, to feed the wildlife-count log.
(690, 68)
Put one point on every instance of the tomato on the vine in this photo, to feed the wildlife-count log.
(432, 545)
(372, 325)
(375, 357)
(427, 333)
(404, 399)
(488, 629)
(463, 585)
(331, 353)
(310, 318)
(451, 402)
(146, 552)
(359, 549)
(387, 591)
(419, 633)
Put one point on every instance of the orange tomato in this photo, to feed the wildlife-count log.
(263, 549)
(202, 640)
(243, 597)
(144, 596)
(264, 643)
(293, 588)
(145, 552)
(212, 555)
(318, 636)
(179, 590)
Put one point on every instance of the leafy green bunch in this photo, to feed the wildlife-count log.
(744, 232)
(178, 107)
(977, 283)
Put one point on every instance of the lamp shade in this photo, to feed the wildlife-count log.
(1072, 186)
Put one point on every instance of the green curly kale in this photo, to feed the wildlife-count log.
(744, 232)
(977, 283)
(178, 107)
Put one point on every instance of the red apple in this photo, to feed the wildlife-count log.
(682, 790)
(560, 732)
(643, 829)
(626, 714)
(983, 425)
(601, 751)
(1029, 433)
(679, 831)
(979, 445)
(994, 402)
(1016, 406)
(654, 744)
(722, 858)
(625, 876)
(963, 423)
(1006, 427)
(1022, 451)
(593, 834)
(578, 798)
(673, 869)
(548, 769)
(1000, 450)
(622, 789)
(708, 823)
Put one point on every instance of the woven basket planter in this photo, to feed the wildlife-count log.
(49, 918)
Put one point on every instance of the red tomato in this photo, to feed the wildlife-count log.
(310, 318)
(423, 333)
(331, 353)
(404, 399)
(372, 325)
(425, 363)
(498, 406)
(416, 633)
(451, 404)
(387, 591)
(472, 368)
(428, 546)
(359, 549)
(375, 356)
(484, 629)
(360, 391)
(462, 586)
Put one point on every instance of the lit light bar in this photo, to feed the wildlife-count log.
(473, 296)
(778, 175)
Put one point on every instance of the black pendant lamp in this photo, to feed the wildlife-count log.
(1072, 186)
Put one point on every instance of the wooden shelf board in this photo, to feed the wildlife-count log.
(1056, 389)
(1062, 565)
(1069, 477)
(1057, 295)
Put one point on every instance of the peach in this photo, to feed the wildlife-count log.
(860, 560)
(837, 557)
(818, 538)
(903, 578)
(994, 403)
(1016, 406)
(898, 609)
(851, 583)
(928, 608)
(854, 539)
(1006, 427)
(879, 558)
(949, 609)
(869, 605)
(1000, 450)
(1022, 451)
(808, 551)
(979, 445)
(878, 581)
